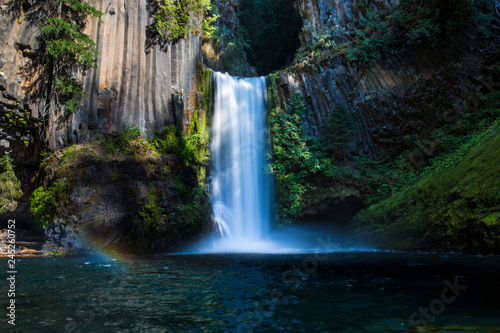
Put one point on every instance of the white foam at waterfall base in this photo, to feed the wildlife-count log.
(240, 185)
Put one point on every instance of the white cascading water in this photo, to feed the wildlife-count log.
(240, 186)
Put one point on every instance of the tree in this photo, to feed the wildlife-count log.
(339, 131)
(10, 186)
(172, 20)
(62, 52)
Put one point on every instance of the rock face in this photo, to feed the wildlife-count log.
(412, 92)
(322, 16)
(227, 54)
(140, 203)
(131, 84)
(409, 93)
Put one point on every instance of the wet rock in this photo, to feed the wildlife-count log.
(3, 84)
(10, 96)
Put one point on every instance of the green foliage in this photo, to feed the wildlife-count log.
(63, 50)
(68, 153)
(172, 18)
(172, 21)
(209, 27)
(383, 31)
(193, 205)
(339, 131)
(70, 91)
(450, 209)
(169, 141)
(151, 210)
(125, 141)
(293, 159)
(127, 134)
(398, 173)
(271, 28)
(10, 186)
(205, 90)
(417, 22)
(194, 147)
(65, 41)
(44, 201)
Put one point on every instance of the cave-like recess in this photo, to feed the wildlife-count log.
(271, 28)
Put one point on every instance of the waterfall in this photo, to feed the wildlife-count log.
(240, 186)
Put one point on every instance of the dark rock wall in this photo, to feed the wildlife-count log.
(409, 93)
(226, 54)
(412, 92)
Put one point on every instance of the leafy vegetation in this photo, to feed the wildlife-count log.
(173, 207)
(10, 186)
(173, 20)
(456, 208)
(412, 22)
(450, 202)
(62, 51)
(398, 172)
(128, 141)
(339, 132)
(169, 141)
(294, 160)
(45, 200)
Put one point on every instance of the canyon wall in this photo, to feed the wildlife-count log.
(411, 92)
(149, 88)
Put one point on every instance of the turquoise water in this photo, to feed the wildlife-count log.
(336, 292)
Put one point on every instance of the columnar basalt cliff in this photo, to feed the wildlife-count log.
(413, 91)
(132, 84)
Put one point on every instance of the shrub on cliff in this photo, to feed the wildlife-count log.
(10, 186)
(416, 22)
(44, 201)
(339, 132)
(172, 20)
(169, 141)
(62, 50)
(294, 160)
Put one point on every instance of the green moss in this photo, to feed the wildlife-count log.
(10, 186)
(68, 152)
(205, 76)
(455, 208)
(151, 211)
(44, 201)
